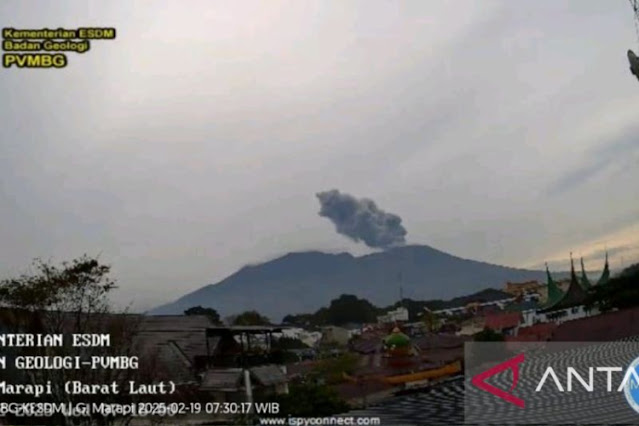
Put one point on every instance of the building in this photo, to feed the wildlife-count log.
(527, 307)
(541, 332)
(309, 338)
(231, 384)
(334, 335)
(485, 300)
(505, 323)
(398, 315)
(472, 326)
(570, 304)
(606, 327)
(521, 289)
(241, 365)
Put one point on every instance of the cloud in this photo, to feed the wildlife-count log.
(361, 219)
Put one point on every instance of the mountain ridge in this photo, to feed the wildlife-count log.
(302, 282)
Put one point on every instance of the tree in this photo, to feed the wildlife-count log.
(488, 335)
(61, 300)
(620, 292)
(211, 313)
(300, 320)
(348, 309)
(251, 318)
(432, 322)
(331, 370)
(288, 343)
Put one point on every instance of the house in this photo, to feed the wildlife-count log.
(230, 384)
(309, 338)
(334, 335)
(520, 289)
(175, 337)
(241, 365)
(607, 326)
(485, 300)
(397, 315)
(541, 332)
(527, 308)
(506, 323)
(472, 326)
(570, 303)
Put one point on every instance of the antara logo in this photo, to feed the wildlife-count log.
(629, 384)
(630, 379)
(512, 364)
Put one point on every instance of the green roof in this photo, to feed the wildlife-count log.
(397, 339)
(554, 292)
(575, 295)
(585, 283)
(605, 275)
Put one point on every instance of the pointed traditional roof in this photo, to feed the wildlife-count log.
(554, 292)
(585, 283)
(574, 296)
(605, 275)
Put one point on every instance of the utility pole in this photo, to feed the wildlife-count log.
(401, 290)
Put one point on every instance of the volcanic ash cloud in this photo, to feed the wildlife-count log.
(361, 219)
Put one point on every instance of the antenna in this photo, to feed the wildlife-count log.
(401, 290)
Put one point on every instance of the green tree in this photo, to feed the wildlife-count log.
(287, 343)
(432, 322)
(71, 298)
(348, 309)
(251, 318)
(332, 370)
(488, 335)
(620, 292)
(300, 320)
(211, 313)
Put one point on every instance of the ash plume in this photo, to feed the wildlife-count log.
(361, 219)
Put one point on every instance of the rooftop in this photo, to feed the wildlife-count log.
(242, 329)
(604, 327)
(502, 320)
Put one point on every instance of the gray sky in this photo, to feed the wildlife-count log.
(196, 141)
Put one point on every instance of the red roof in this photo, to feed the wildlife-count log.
(502, 320)
(600, 328)
(534, 333)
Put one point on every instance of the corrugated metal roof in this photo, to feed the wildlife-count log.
(268, 375)
(191, 343)
(244, 329)
(188, 332)
(175, 322)
(173, 364)
(227, 379)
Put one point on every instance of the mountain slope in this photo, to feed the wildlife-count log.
(304, 282)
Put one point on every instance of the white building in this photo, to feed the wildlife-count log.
(399, 314)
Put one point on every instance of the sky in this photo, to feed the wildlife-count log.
(196, 141)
